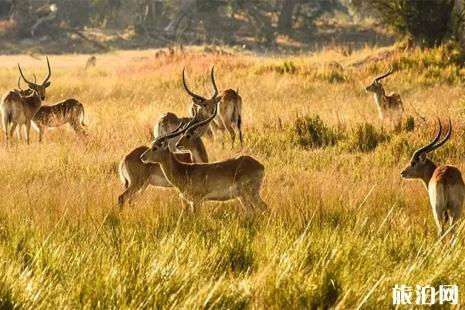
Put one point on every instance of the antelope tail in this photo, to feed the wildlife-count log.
(122, 174)
(82, 116)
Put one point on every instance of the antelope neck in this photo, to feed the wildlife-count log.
(428, 172)
(199, 153)
(174, 170)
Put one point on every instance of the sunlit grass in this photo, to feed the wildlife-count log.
(342, 221)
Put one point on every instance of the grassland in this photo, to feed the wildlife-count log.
(343, 227)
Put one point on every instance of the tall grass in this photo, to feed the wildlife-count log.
(343, 228)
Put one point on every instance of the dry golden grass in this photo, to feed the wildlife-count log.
(343, 227)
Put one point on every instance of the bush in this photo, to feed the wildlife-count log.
(366, 138)
(409, 124)
(426, 23)
(311, 132)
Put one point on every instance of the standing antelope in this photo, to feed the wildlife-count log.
(137, 175)
(240, 177)
(19, 107)
(169, 121)
(229, 114)
(388, 105)
(69, 111)
(444, 184)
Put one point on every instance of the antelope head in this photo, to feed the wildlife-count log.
(159, 148)
(201, 103)
(191, 133)
(419, 161)
(39, 88)
(375, 85)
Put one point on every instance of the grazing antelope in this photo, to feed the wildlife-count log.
(388, 105)
(69, 111)
(136, 175)
(444, 184)
(229, 114)
(240, 177)
(19, 107)
(169, 121)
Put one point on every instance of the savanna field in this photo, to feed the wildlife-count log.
(344, 228)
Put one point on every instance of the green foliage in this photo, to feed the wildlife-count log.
(331, 76)
(327, 292)
(365, 138)
(285, 67)
(427, 23)
(409, 124)
(311, 132)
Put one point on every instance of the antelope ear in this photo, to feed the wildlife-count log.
(422, 157)
(164, 144)
(47, 84)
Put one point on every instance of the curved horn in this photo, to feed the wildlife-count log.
(49, 73)
(187, 88)
(35, 78)
(179, 130)
(427, 148)
(168, 135)
(22, 75)
(206, 121)
(215, 89)
(382, 76)
(449, 132)
(19, 83)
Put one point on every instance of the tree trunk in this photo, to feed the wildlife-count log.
(285, 18)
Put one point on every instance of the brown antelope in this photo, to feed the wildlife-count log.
(91, 62)
(169, 121)
(240, 177)
(136, 175)
(229, 114)
(192, 141)
(388, 105)
(19, 107)
(444, 184)
(69, 111)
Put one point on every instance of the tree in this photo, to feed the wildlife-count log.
(425, 22)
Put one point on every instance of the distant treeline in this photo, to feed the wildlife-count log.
(424, 23)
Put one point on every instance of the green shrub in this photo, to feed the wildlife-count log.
(409, 124)
(286, 67)
(331, 76)
(365, 138)
(311, 132)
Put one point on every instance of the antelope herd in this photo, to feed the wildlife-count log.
(178, 157)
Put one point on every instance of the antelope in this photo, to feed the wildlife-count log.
(239, 177)
(91, 62)
(444, 184)
(136, 175)
(229, 114)
(19, 107)
(169, 121)
(69, 111)
(192, 141)
(387, 104)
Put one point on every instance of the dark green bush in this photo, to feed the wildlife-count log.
(365, 138)
(409, 124)
(311, 132)
(426, 23)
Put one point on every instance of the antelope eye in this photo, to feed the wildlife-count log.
(188, 136)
